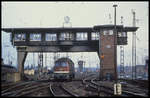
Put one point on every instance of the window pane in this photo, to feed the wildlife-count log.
(20, 37)
(124, 34)
(62, 36)
(105, 32)
(35, 37)
(57, 64)
(66, 36)
(51, 37)
(95, 36)
(81, 36)
(110, 32)
(63, 64)
(119, 34)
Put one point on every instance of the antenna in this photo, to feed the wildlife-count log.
(67, 21)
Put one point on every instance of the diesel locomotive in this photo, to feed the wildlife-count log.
(64, 69)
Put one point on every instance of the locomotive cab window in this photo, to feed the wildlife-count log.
(64, 64)
(20, 37)
(57, 64)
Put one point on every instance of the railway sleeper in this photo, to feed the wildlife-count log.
(75, 95)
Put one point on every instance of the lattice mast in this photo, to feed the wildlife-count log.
(121, 55)
(134, 48)
(40, 62)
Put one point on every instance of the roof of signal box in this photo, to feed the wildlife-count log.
(56, 29)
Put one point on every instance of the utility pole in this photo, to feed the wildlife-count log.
(115, 43)
(33, 61)
(134, 48)
(117, 86)
(46, 60)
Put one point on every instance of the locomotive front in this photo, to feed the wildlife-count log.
(63, 69)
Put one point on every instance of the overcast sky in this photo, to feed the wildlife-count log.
(82, 14)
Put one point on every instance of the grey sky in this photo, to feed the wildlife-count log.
(82, 14)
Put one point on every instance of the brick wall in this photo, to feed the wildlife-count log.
(107, 50)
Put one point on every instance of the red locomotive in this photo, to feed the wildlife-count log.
(64, 69)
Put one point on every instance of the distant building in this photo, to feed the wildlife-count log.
(29, 71)
(140, 70)
(146, 68)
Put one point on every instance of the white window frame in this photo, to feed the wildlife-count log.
(62, 36)
(81, 36)
(19, 34)
(122, 34)
(66, 36)
(111, 32)
(50, 37)
(94, 35)
(36, 34)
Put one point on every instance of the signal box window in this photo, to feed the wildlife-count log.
(108, 32)
(95, 35)
(66, 36)
(81, 36)
(122, 34)
(20, 37)
(35, 37)
(51, 37)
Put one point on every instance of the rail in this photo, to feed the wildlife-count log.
(61, 91)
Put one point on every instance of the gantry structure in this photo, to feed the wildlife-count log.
(99, 38)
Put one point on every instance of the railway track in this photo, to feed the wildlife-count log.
(29, 90)
(24, 88)
(58, 90)
(20, 85)
(4, 86)
(126, 91)
(90, 86)
(141, 83)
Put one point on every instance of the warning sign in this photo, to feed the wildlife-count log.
(102, 56)
(117, 89)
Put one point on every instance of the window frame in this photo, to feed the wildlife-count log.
(36, 34)
(50, 37)
(19, 39)
(66, 36)
(96, 36)
(83, 36)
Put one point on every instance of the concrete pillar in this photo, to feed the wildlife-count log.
(21, 56)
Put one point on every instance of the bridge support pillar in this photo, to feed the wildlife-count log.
(21, 56)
